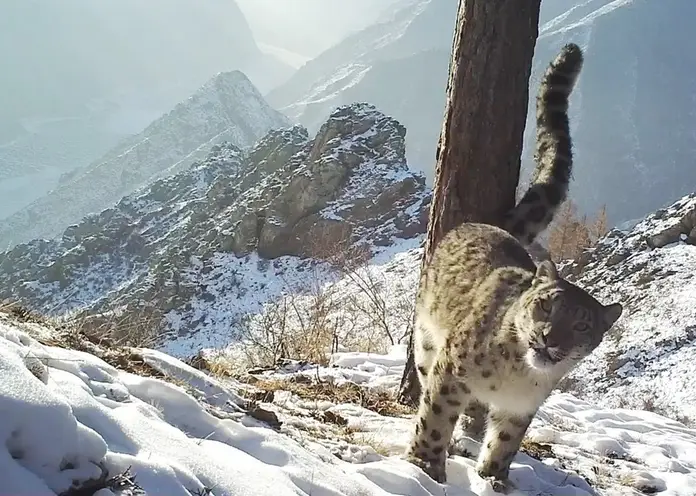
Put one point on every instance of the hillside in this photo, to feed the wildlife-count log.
(647, 362)
(209, 244)
(644, 363)
(227, 108)
(80, 417)
(76, 82)
(632, 138)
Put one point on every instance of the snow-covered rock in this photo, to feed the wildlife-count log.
(227, 108)
(90, 425)
(211, 243)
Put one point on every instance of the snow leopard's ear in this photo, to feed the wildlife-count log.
(546, 270)
(612, 313)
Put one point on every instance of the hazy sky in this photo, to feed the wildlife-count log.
(307, 27)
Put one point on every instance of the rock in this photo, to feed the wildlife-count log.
(265, 416)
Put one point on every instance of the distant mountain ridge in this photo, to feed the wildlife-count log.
(632, 113)
(394, 64)
(222, 236)
(81, 75)
(227, 108)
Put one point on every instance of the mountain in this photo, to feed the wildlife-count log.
(197, 246)
(634, 107)
(396, 64)
(227, 108)
(632, 111)
(78, 82)
(284, 24)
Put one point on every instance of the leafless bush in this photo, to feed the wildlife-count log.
(354, 307)
(384, 306)
(295, 327)
(570, 234)
(140, 328)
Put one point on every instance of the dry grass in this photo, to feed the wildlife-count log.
(141, 328)
(379, 402)
(70, 334)
(538, 451)
(359, 438)
(650, 403)
(22, 314)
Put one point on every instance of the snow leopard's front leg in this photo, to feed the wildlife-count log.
(443, 399)
(502, 441)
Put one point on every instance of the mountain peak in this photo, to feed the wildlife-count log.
(229, 79)
(227, 108)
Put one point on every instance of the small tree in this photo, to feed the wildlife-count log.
(570, 234)
(600, 226)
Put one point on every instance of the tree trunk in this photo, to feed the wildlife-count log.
(478, 155)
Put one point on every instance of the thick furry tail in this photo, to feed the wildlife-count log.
(554, 154)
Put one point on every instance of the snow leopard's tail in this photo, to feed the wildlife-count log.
(554, 154)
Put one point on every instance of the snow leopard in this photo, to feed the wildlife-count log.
(494, 332)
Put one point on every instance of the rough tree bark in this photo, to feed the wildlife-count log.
(478, 155)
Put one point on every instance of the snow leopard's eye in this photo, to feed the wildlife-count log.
(581, 327)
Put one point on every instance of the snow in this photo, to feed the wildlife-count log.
(66, 416)
(581, 15)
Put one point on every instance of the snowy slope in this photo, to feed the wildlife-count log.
(227, 108)
(69, 421)
(648, 360)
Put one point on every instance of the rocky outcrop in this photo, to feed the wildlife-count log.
(649, 268)
(213, 241)
(227, 108)
(398, 64)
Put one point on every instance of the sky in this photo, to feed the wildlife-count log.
(307, 27)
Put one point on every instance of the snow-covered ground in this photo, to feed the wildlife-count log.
(67, 418)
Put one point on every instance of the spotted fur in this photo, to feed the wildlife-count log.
(494, 332)
(494, 335)
(554, 154)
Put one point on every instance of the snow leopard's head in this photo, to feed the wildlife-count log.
(561, 322)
